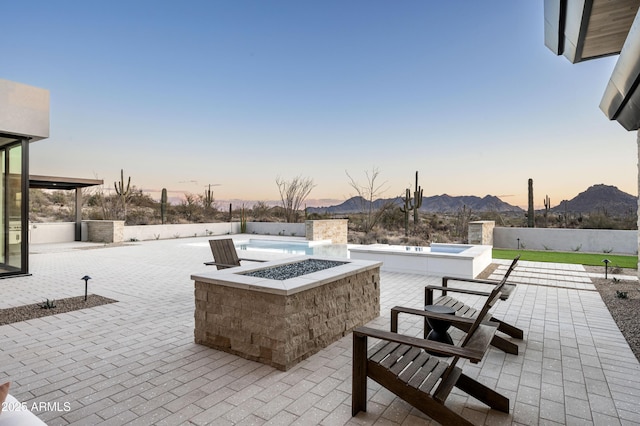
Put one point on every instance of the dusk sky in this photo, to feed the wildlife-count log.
(183, 94)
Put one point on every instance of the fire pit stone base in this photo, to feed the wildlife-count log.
(281, 328)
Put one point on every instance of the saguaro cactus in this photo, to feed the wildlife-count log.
(408, 206)
(417, 203)
(547, 207)
(243, 221)
(123, 192)
(163, 206)
(411, 204)
(531, 215)
(208, 198)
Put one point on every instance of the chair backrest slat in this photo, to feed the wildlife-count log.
(224, 252)
(511, 268)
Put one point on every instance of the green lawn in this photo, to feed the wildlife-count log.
(593, 259)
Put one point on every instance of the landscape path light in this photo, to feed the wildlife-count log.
(606, 267)
(86, 279)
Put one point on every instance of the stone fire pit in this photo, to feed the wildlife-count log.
(275, 314)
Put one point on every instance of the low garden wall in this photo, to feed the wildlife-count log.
(164, 232)
(103, 231)
(53, 232)
(560, 239)
(276, 228)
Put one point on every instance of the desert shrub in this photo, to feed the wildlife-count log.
(392, 219)
(140, 216)
(260, 211)
(598, 221)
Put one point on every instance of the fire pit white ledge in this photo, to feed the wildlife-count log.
(281, 322)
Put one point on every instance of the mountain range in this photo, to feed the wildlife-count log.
(600, 198)
(596, 198)
(435, 204)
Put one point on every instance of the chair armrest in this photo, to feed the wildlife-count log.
(445, 280)
(453, 319)
(428, 292)
(507, 289)
(223, 265)
(458, 290)
(472, 353)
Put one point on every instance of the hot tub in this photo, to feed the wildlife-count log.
(462, 260)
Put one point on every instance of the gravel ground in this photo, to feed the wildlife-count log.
(623, 310)
(27, 312)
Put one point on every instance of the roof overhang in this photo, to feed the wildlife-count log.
(587, 29)
(55, 182)
(24, 110)
(582, 30)
(621, 100)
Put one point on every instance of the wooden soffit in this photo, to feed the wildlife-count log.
(587, 29)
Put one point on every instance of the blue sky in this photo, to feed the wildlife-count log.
(237, 93)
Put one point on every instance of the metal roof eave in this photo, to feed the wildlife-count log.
(582, 30)
(621, 99)
(565, 27)
(56, 182)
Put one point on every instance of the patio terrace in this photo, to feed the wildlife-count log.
(134, 362)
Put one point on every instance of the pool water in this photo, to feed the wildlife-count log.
(286, 247)
(300, 248)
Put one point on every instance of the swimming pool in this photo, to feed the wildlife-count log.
(316, 248)
(438, 259)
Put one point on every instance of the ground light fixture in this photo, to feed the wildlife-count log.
(86, 279)
(606, 267)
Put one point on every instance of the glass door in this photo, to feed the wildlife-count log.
(13, 206)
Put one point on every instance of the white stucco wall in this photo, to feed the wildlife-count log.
(24, 110)
(276, 228)
(560, 239)
(56, 232)
(163, 232)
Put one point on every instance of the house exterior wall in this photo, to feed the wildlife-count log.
(24, 110)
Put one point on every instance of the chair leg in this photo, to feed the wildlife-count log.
(509, 329)
(482, 393)
(359, 376)
(497, 341)
(504, 345)
(426, 328)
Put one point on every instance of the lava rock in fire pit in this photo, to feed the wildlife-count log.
(292, 270)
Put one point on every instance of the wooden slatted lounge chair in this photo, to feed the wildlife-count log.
(467, 313)
(403, 365)
(225, 254)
